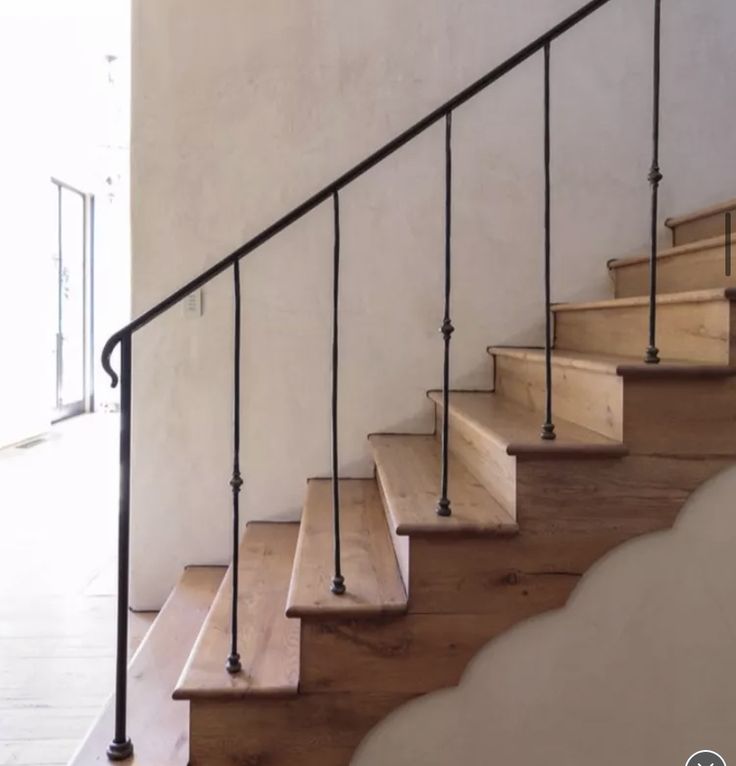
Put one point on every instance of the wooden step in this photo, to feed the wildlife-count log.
(268, 642)
(158, 726)
(701, 224)
(588, 389)
(698, 265)
(489, 433)
(306, 730)
(408, 470)
(693, 326)
(372, 577)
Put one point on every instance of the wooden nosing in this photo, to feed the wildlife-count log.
(186, 693)
(691, 296)
(674, 370)
(548, 449)
(698, 215)
(458, 531)
(672, 252)
(625, 367)
(343, 612)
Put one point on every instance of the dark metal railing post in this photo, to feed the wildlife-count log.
(338, 581)
(443, 504)
(236, 482)
(121, 747)
(548, 428)
(728, 244)
(655, 177)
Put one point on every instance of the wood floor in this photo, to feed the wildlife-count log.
(57, 582)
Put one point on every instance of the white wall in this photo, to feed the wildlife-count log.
(242, 108)
(637, 668)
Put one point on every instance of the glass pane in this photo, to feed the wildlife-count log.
(71, 296)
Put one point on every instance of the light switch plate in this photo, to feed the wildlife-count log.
(193, 304)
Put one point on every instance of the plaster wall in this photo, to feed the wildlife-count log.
(242, 109)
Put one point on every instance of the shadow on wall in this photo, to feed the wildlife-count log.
(638, 668)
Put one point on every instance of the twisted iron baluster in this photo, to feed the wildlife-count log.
(443, 505)
(233, 664)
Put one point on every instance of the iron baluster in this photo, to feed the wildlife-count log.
(728, 244)
(655, 177)
(548, 428)
(233, 661)
(338, 581)
(121, 746)
(443, 505)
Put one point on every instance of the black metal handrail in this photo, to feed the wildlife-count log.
(121, 746)
(346, 178)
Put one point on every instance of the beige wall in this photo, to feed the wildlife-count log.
(636, 669)
(243, 108)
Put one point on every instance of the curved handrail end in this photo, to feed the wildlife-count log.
(107, 350)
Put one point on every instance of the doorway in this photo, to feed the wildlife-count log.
(74, 315)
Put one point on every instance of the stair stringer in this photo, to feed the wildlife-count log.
(441, 726)
(357, 673)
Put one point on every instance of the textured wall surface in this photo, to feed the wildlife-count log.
(637, 668)
(243, 108)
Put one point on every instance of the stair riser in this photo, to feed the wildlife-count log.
(590, 398)
(698, 331)
(703, 228)
(505, 579)
(647, 414)
(416, 654)
(571, 513)
(486, 460)
(688, 417)
(310, 730)
(701, 270)
(636, 495)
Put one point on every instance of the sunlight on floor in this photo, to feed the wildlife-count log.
(58, 501)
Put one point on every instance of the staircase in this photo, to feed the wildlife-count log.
(425, 593)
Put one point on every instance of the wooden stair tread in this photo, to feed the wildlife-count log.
(696, 215)
(158, 726)
(624, 366)
(408, 474)
(268, 642)
(689, 296)
(517, 429)
(372, 577)
(672, 252)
